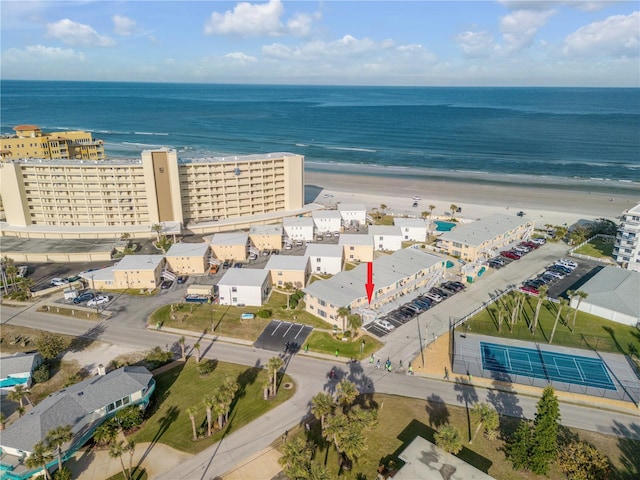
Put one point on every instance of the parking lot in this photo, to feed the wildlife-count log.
(572, 281)
(284, 337)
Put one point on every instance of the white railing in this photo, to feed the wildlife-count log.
(608, 261)
(481, 307)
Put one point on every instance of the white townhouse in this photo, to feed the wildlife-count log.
(327, 221)
(288, 269)
(356, 247)
(413, 229)
(325, 259)
(386, 237)
(244, 287)
(298, 228)
(352, 213)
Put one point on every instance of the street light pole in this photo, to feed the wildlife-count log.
(93, 287)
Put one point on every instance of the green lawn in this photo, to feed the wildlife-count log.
(138, 474)
(324, 342)
(591, 332)
(181, 388)
(225, 320)
(598, 248)
(401, 419)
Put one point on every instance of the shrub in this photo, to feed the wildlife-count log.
(130, 417)
(264, 313)
(158, 357)
(41, 374)
(205, 368)
(63, 474)
(72, 379)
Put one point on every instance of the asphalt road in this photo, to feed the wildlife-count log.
(127, 327)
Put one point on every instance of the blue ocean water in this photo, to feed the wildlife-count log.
(577, 136)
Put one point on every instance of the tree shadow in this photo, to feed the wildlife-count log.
(437, 411)
(612, 334)
(164, 422)
(629, 446)
(505, 400)
(244, 379)
(83, 341)
(466, 393)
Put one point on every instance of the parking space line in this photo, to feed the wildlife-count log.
(290, 327)
(299, 331)
(276, 329)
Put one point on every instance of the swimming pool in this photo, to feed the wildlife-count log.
(11, 382)
(560, 367)
(442, 226)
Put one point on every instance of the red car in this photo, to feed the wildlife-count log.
(529, 289)
(510, 254)
(530, 245)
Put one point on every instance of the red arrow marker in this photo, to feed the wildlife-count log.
(369, 284)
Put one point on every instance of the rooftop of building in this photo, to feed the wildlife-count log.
(356, 239)
(345, 287)
(19, 363)
(317, 214)
(230, 238)
(383, 230)
(410, 222)
(188, 250)
(297, 222)
(138, 262)
(244, 277)
(324, 250)
(483, 230)
(287, 262)
(352, 207)
(634, 210)
(266, 230)
(615, 289)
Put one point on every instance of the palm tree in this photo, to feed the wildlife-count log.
(448, 439)
(192, 412)
(561, 304)
(431, 209)
(296, 458)
(208, 405)
(156, 227)
(18, 393)
(354, 322)
(20, 411)
(484, 415)
(517, 297)
(542, 295)
(3, 421)
(219, 408)
(343, 312)
(275, 363)
(130, 447)
(24, 284)
(453, 208)
(181, 342)
(424, 215)
(229, 389)
(581, 296)
(40, 457)
(288, 288)
(196, 347)
(321, 406)
(105, 433)
(383, 207)
(58, 437)
(353, 444)
(116, 450)
(346, 393)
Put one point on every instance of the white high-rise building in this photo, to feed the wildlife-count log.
(627, 248)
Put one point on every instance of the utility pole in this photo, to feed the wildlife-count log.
(95, 296)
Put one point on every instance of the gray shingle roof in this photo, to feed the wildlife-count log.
(483, 230)
(615, 289)
(19, 363)
(345, 287)
(74, 405)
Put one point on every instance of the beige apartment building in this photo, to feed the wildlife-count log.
(96, 198)
(30, 142)
(288, 269)
(188, 258)
(230, 246)
(357, 247)
(132, 271)
(266, 237)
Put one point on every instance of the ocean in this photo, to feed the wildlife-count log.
(585, 138)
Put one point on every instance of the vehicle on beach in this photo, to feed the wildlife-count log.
(416, 197)
(384, 325)
(520, 213)
(415, 204)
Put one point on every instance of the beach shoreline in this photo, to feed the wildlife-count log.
(555, 206)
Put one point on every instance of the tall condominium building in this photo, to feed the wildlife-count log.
(627, 247)
(157, 188)
(30, 142)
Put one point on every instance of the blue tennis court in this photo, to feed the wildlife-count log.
(560, 367)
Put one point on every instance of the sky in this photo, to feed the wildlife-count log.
(405, 43)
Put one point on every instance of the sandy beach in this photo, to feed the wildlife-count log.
(554, 206)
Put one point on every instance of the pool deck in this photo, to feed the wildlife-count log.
(438, 358)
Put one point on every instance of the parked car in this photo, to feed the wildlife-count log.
(459, 285)
(99, 300)
(433, 297)
(298, 243)
(214, 268)
(422, 303)
(266, 253)
(410, 312)
(226, 264)
(166, 284)
(83, 297)
(535, 283)
(439, 291)
(385, 325)
(237, 265)
(510, 254)
(538, 240)
(569, 263)
(561, 268)
(59, 282)
(275, 251)
(415, 204)
(528, 289)
(522, 249)
(495, 265)
(287, 246)
(533, 246)
(253, 256)
(182, 279)
(554, 274)
(413, 307)
(449, 288)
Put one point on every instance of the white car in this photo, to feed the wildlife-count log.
(99, 300)
(416, 197)
(59, 282)
(522, 249)
(253, 256)
(434, 296)
(567, 263)
(551, 273)
(385, 325)
(22, 271)
(539, 241)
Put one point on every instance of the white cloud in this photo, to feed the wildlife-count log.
(520, 27)
(124, 26)
(617, 35)
(261, 19)
(476, 44)
(74, 33)
(247, 20)
(240, 58)
(42, 52)
(586, 5)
